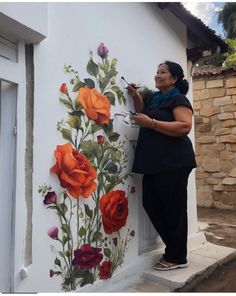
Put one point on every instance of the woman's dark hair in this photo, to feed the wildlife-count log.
(177, 71)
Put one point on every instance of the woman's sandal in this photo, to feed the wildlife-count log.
(164, 265)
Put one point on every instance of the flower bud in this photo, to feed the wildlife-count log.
(132, 233)
(50, 198)
(64, 88)
(100, 139)
(115, 241)
(53, 232)
(51, 273)
(102, 51)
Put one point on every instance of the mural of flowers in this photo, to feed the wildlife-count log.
(90, 240)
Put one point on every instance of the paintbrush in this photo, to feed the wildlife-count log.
(136, 87)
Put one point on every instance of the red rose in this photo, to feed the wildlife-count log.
(114, 208)
(87, 257)
(105, 270)
(74, 171)
(64, 88)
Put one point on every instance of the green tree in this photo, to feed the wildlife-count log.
(227, 17)
(231, 57)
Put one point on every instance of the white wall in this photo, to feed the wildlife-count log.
(140, 36)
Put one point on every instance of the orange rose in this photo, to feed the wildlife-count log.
(74, 171)
(96, 105)
(114, 209)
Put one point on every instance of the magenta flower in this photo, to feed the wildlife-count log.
(100, 139)
(102, 51)
(53, 232)
(50, 198)
(87, 257)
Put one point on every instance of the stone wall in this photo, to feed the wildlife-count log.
(215, 139)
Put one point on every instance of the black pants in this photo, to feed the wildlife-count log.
(165, 201)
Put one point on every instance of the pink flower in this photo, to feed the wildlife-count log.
(50, 198)
(87, 257)
(53, 232)
(102, 51)
(100, 139)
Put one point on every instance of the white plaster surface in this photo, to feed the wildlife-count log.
(140, 36)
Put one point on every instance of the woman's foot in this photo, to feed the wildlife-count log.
(163, 265)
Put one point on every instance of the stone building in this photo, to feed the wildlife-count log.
(214, 93)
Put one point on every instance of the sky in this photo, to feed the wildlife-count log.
(207, 12)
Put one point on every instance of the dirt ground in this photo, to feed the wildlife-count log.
(221, 231)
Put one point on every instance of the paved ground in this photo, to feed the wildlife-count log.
(221, 230)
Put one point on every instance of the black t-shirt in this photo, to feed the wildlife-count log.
(156, 152)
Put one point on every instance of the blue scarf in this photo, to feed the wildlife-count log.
(159, 97)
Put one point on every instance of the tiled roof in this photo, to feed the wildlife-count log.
(200, 71)
(201, 33)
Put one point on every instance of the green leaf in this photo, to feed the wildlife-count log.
(81, 231)
(97, 236)
(113, 63)
(89, 82)
(67, 103)
(109, 187)
(114, 137)
(92, 68)
(78, 85)
(103, 82)
(111, 168)
(78, 273)
(74, 122)
(111, 97)
(65, 228)
(108, 128)
(77, 113)
(94, 128)
(87, 279)
(63, 208)
(88, 212)
(66, 134)
(91, 149)
(115, 155)
(57, 262)
(107, 252)
(65, 239)
(106, 65)
(53, 207)
(111, 73)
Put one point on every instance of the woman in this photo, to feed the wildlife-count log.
(164, 154)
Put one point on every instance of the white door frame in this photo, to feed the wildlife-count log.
(8, 100)
(14, 72)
